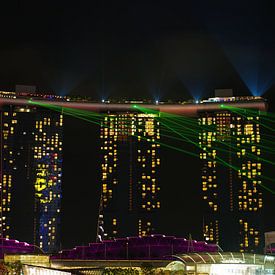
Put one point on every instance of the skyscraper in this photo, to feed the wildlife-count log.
(231, 177)
(130, 163)
(31, 170)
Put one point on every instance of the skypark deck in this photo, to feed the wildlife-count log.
(186, 109)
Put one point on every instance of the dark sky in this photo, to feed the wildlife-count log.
(163, 49)
(134, 49)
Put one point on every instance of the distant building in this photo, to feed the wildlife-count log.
(31, 170)
(130, 163)
(231, 177)
(270, 242)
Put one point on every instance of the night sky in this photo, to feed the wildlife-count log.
(157, 50)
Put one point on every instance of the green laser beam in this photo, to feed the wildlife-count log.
(169, 146)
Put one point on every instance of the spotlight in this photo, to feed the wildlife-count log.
(102, 100)
(157, 102)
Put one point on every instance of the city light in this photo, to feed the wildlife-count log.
(214, 133)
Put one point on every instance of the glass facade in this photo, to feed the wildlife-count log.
(224, 263)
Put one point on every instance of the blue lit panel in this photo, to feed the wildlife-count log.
(47, 184)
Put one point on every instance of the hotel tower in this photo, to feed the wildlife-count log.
(232, 176)
(130, 200)
(31, 171)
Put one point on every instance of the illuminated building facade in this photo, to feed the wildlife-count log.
(130, 195)
(231, 179)
(31, 170)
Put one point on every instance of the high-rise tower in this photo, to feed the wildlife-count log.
(130, 199)
(231, 178)
(31, 169)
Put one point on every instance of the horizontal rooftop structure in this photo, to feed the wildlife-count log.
(189, 108)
